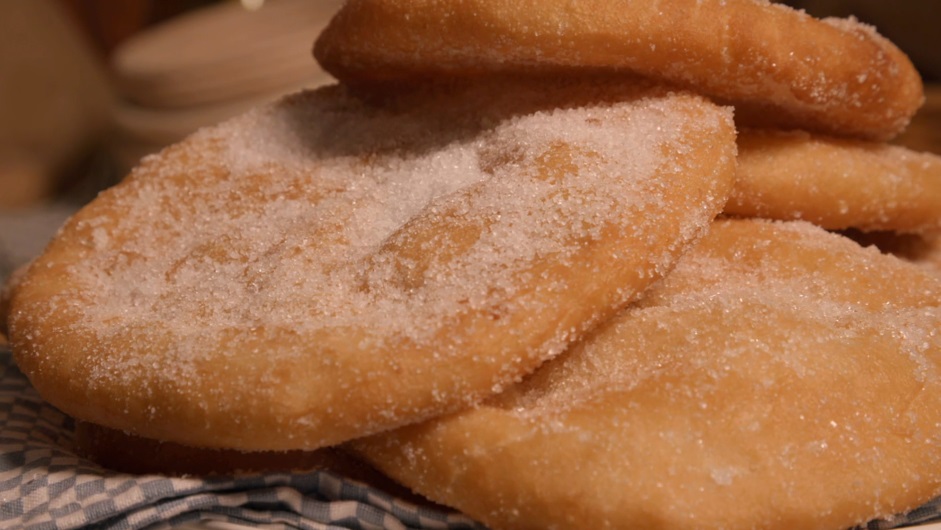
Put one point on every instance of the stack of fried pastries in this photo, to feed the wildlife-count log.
(557, 264)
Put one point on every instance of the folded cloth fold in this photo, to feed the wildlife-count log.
(45, 486)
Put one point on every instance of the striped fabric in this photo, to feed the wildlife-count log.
(44, 486)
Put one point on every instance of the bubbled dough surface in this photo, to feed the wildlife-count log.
(836, 183)
(775, 379)
(776, 64)
(319, 269)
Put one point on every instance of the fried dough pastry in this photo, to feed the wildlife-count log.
(836, 183)
(321, 269)
(777, 65)
(774, 380)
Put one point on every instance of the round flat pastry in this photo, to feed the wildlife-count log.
(321, 269)
(774, 380)
(836, 183)
(777, 65)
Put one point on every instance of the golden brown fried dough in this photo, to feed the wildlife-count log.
(836, 183)
(322, 269)
(777, 65)
(774, 380)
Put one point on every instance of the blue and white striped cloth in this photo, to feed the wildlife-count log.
(44, 486)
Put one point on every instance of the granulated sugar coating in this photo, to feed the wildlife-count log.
(321, 269)
(777, 65)
(836, 183)
(780, 377)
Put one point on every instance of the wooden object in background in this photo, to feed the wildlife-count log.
(108, 23)
(208, 65)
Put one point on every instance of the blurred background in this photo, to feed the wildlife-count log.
(88, 87)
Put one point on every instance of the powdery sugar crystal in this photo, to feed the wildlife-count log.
(319, 215)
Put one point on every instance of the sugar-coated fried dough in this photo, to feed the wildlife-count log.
(321, 269)
(836, 183)
(777, 65)
(774, 380)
